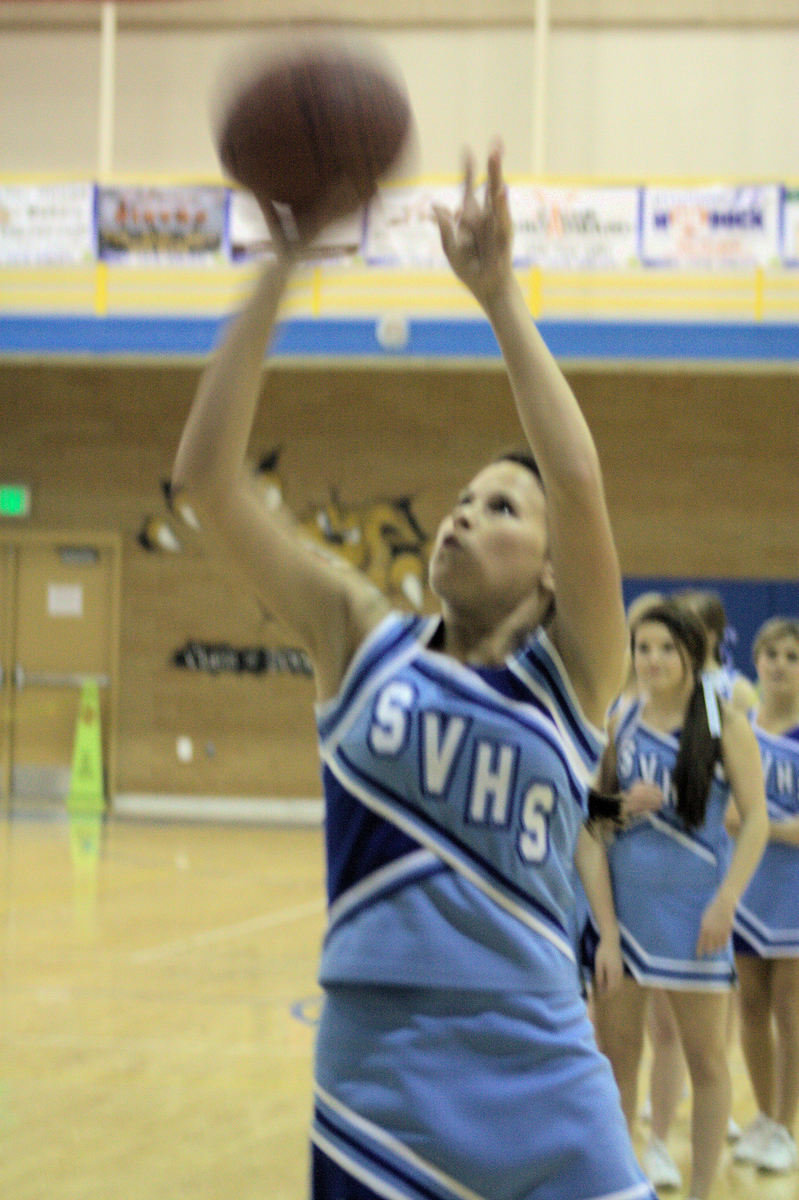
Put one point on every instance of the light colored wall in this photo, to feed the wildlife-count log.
(694, 102)
(623, 100)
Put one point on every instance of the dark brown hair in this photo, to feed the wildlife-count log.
(709, 607)
(699, 750)
(522, 458)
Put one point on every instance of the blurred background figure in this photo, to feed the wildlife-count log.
(767, 921)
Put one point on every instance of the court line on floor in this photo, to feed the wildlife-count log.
(225, 933)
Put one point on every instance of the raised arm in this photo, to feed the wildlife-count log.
(329, 608)
(589, 625)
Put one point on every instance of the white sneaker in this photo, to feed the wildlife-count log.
(753, 1139)
(733, 1130)
(660, 1167)
(779, 1153)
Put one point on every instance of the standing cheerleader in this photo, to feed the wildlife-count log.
(676, 879)
(767, 920)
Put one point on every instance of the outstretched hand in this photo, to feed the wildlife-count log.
(478, 239)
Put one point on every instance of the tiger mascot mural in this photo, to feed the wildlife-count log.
(382, 538)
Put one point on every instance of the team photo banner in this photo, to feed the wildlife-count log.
(142, 224)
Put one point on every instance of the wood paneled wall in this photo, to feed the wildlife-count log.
(701, 472)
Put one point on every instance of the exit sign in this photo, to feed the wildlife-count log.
(15, 500)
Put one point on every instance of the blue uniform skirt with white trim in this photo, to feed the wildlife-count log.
(430, 1094)
(662, 884)
(767, 919)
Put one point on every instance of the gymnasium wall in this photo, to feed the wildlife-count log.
(637, 88)
(701, 480)
(700, 461)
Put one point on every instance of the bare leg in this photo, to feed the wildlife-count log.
(785, 1002)
(620, 1028)
(733, 1026)
(668, 1064)
(702, 1021)
(757, 1034)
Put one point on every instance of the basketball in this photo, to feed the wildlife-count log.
(309, 118)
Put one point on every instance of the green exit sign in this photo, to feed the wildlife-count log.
(15, 500)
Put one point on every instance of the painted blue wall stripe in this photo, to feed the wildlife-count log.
(356, 338)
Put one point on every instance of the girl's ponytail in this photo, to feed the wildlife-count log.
(700, 740)
(700, 750)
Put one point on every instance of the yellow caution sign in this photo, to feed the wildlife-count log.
(86, 788)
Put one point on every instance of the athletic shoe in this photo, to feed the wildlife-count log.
(779, 1153)
(733, 1130)
(660, 1167)
(753, 1139)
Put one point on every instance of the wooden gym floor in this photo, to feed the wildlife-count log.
(157, 1005)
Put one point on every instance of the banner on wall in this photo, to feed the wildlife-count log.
(713, 226)
(790, 227)
(558, 228)
(176, 224)
(47, 225)
(248, 234)
(576, 228)
(218, 657)
(401, 230)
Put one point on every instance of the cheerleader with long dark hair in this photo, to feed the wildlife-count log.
(675, 873)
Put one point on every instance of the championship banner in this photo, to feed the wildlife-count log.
(790, 227)
(711, 227)
(248, 235)
(146, 224)
(558, 228)
(47, 225)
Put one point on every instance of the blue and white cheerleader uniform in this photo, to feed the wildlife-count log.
(767, 918)
(663, 874)
(455, 1059)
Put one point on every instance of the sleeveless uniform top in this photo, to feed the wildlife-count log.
(664, 874)
(454, 797)
(767, 918)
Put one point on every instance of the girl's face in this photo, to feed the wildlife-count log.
(777, 666)
(660, 661)
(490, 552)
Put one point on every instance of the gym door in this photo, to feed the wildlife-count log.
(64, 620)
